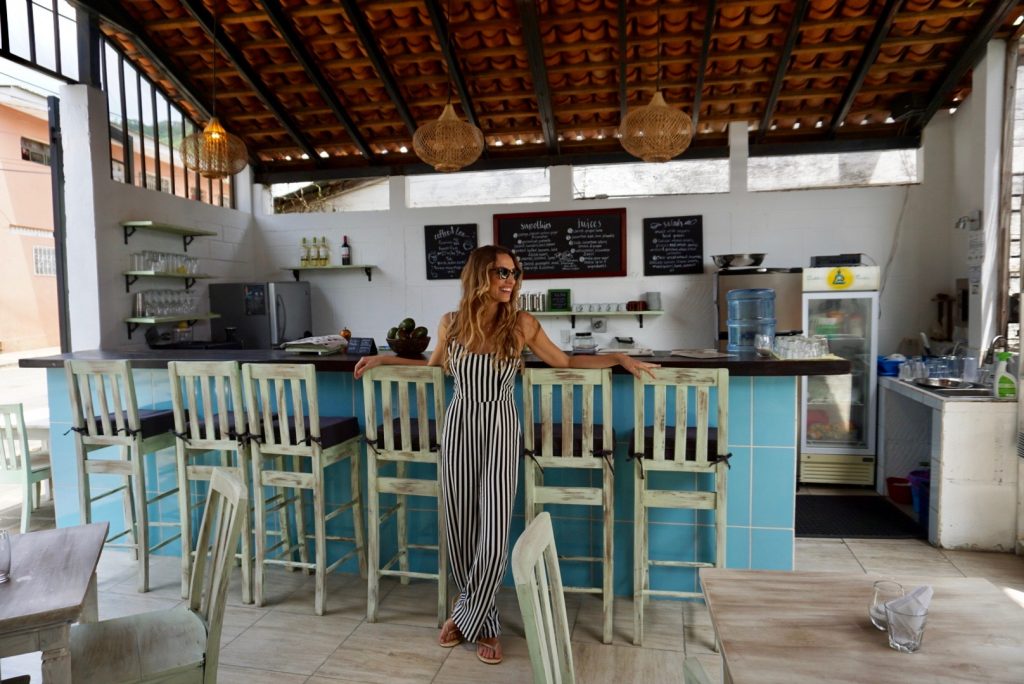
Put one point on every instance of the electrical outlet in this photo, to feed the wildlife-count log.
(598, 324)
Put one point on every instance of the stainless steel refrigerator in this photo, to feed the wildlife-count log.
(264, 315)
(788, 286)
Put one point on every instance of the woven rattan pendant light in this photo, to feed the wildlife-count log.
(448, 143)
(213, 152)
(656, 132)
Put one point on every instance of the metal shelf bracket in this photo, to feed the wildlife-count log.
(132, 327)
(128, 232)
(129, 280)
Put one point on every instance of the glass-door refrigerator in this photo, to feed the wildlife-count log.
(837, 444)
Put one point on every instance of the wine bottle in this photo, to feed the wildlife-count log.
(346, 252)
(325, 252)
(304, 254)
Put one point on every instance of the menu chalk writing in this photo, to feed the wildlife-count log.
(361, 346)
(673, 245)
(448, 248)
(566, 244)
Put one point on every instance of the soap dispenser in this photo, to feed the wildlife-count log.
(1004, 385)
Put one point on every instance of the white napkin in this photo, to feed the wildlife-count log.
(914, 603)
(907, 626)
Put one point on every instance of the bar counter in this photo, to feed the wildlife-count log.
(763, 417)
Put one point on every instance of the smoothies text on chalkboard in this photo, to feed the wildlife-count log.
(448, 248)
(566, 244)
(673, 245)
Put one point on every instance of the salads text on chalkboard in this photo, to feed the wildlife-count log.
(673, 245)
(448, 248)
(566, 244)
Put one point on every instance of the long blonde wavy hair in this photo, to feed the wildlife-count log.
(468, 324)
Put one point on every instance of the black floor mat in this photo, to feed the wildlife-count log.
(861, 515)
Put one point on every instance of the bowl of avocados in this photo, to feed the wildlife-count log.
(407, 339)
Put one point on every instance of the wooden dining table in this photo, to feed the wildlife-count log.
(797, 627)
(52, 584)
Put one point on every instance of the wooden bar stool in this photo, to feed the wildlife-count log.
(21, 465)
(661, 445)
(557, 441)
(209, 415)
(399, 437)
(105, 413)
(301, 447)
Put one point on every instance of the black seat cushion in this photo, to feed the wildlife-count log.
(414, 428)
(152, 422)
(670, 442)
(577, 439)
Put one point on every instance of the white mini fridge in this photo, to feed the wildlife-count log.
(837, 412)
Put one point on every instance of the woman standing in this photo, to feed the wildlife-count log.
(481, 346)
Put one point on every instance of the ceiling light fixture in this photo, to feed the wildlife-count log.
(448, 143)
(656, 132)
(213, 152)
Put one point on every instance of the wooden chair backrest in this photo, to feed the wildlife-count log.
(679, 381)
(215, 554)
(395, 388)
(287, 392)
(575, 385)
(99, 390)
(205, 388)
(13, 441)
(542, 603)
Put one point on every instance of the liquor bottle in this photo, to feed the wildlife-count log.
(325, 252)
(346, 252)
(304, 254)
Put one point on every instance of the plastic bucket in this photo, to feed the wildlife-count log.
(899, 490)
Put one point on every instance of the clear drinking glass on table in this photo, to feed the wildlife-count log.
(763, 343)
(884, 591)
(5, 555)
(906, 627)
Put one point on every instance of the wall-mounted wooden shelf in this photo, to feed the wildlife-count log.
(596, 314)
(187, 234)
(130, 277)
(366, 268)
(135, 321)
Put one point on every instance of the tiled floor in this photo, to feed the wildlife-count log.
(285, 643)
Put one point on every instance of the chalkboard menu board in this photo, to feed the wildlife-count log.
(566, 244)
(673, 245)
(448, 249)
(361, 346)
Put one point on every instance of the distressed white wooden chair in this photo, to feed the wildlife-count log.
(21, 465)
(663, 445)
(394, 435)
(181, 644)
(557, 441)
(105, 413)
(291, 452)
(209, 416)
(542, 603)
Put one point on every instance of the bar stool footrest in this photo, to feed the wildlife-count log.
(409, 573)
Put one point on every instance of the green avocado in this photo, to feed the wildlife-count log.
(392, 333)
(419, 332)
(407, 324)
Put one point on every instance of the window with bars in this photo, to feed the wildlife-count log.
(1012, 284)
(35, 151)
(44, 261)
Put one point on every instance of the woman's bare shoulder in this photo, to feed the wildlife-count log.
(526, 322)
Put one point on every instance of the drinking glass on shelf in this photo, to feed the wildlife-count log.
(763, 343)
(884, 591)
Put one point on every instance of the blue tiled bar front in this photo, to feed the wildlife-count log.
(761, 480)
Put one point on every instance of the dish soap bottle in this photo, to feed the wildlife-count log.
(1004, 386)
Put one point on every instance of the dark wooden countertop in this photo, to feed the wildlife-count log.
(743, 364)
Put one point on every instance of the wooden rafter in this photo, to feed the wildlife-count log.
(623, 23)
(705, 50)
(538, 71)
(440, 23)
(799, 11)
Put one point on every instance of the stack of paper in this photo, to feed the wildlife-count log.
(322, 344)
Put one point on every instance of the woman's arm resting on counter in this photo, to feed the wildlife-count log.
(541, 345)
(436, 356)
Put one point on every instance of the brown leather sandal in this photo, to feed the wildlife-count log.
(450, 636)
(489, 653)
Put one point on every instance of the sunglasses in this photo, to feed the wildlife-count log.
(504, 273)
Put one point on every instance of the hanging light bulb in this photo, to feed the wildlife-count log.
(448, 143)
(213, 152)
(656, 132)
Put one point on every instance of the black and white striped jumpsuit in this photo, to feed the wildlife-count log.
(480, 451)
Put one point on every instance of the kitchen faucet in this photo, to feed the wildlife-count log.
(989, 357)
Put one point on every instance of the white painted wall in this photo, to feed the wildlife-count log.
(97, 253)
(789, 226)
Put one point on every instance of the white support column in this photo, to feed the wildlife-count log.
(738, 155)
(561, 183)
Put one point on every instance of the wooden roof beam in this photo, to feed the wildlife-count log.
(705, 50)
(242, 66)
(454, 70)
(623, 30)
(380, 63)
(538, 71)
(799, 12)
(973, 50)
(284, 26)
